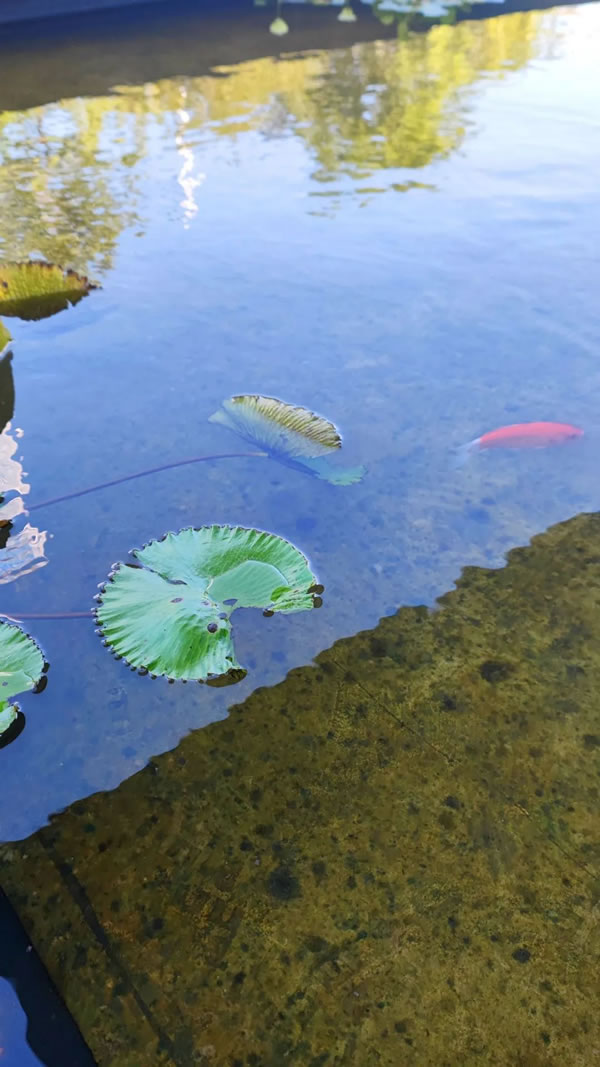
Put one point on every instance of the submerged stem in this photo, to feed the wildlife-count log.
(144, 474)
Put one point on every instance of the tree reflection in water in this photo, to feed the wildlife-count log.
(68, 180)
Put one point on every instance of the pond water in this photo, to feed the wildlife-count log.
(396, 228)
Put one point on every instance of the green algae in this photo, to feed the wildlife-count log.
(392, 857)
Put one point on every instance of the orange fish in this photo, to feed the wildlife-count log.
(523, 435)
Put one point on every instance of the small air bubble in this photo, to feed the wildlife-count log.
(212, 627)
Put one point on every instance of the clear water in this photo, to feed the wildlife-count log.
(399, 233)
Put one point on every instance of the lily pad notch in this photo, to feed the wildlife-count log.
(22, 669)
(169, 611)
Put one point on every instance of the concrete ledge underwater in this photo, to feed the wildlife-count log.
(391, 857)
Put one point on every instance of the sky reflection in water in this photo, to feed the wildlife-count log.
(398, 234)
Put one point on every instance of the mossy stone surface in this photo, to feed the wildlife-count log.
(389, 858)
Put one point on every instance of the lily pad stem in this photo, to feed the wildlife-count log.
(144, 474)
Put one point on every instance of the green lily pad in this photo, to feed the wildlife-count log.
(5, 340)
(290, 434)
(21, 669)
(171, 615)
(36, 290)
(279, 27)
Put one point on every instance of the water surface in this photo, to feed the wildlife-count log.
(399, 234)
(393, 222)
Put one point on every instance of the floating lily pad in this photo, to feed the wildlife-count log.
(21, 669)
(279, 27)
(169, 613)
(5, 340)
(36, 290)
(290, 434)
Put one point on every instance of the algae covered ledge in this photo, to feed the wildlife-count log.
(390, 857)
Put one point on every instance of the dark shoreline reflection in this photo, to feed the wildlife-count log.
(88, 55)
(370, 117)
(397, 839)
(51, 1035)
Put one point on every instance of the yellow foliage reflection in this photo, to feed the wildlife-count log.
(68, 183)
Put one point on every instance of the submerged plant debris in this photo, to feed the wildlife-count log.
(169, 612)
(288, 433)
(21, 668)
(35, 289)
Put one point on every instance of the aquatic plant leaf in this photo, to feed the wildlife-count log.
(171, 616)
(21, 668)
(5, 340)
(8, 715)
(285, 430)
(346, 14)
(163, 627)
(279, 27)
(235, 563)
(35, 289)
(322, 469)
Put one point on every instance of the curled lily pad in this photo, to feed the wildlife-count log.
(21, 669)
(35, 289)
(290, 434)
(279, 427)
(169, 613)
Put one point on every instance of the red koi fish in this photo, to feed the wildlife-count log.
(523, 435)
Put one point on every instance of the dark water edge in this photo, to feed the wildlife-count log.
(29, 10)
(52, 1037)
(151, 41)
(514, 804)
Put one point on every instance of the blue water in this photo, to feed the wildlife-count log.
(401, 235)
